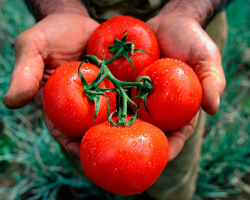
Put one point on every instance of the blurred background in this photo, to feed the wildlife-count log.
(31, 163)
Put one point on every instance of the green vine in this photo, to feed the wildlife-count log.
(143, 84)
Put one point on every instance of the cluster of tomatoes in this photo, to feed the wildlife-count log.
(124, 159)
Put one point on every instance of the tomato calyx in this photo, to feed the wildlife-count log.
(143, 84)
(123, 48)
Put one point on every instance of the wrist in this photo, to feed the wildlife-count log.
(42, 8)
(201, 11)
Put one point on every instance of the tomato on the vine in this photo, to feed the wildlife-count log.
(124, 160)
(176, 95)
(67, 106)
(137, 32)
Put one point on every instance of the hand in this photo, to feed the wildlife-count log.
(183, 38)
(57, 39)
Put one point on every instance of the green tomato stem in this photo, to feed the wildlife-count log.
(120, 48)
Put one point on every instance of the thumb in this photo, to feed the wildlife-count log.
(28, 70)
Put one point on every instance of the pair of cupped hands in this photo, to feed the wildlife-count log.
(62, 37)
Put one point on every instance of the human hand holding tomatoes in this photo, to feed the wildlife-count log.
(183, 38)
(57, 39)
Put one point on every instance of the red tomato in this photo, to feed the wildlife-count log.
(176, 95)
(67, 106)
(142, 36)
(124, 160)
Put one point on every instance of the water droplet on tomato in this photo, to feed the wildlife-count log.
(171, 78)
(65, 72)
(115, 170)
(131, 136)
(145, 135)
(69, 82)
(139, 140)
(150, 145)
(122, 137)
(124, 143)
(182, 76)
(134, 143)
(92, 150)
(166, 95)
(191, 92)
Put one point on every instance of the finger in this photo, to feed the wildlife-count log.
(70, 144)
(211, 75)
(30, 52)
(177, 138)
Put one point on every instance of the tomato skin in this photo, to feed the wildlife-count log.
(142, 36)
(124, 160)
(176, 95)
(67, 106)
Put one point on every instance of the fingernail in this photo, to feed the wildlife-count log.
(218, 104)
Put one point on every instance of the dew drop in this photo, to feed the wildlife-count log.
(92, 150)
(134, 143)
(69, 82)
(150, 145)
(115, 170)
(171, 78)
(145, 135)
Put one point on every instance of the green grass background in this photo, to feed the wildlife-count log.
(31, 163)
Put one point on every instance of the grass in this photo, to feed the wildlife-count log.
(31, 163)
